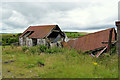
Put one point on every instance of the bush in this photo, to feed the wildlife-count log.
(7, 39)
(24, 48)
(33, 49)
(12, 40)
(42, 48)
(3, 43)
(54, 50)
(113, 50)
(49, 51)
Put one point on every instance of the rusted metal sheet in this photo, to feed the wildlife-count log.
(65, 45)
(93, 40)
(71, 42)
(39, 31)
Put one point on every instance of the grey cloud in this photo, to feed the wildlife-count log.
(48, 13)
(119, 10)
(90, 28)
(3, 29)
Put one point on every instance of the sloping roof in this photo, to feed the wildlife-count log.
(66, 45)
(71, 42)
(93, 40)
(39, 31)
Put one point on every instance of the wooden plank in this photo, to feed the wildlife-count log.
(110, 39)
(101, 51)
(108, 42)
(55, 30)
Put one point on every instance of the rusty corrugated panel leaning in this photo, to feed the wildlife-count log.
(93, 40)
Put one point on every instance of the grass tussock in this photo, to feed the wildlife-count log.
(41, 62)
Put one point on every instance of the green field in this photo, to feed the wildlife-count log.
(41, 62)
(74, 34)
(58, 63)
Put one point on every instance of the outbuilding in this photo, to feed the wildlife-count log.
(50, 35)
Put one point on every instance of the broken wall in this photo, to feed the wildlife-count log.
(53, 45)
(41, 42)
(29, 42)
(21, 41)
(25, 42)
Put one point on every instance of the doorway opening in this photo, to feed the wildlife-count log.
(34, 42)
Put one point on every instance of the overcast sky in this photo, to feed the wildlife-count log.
(80, 16)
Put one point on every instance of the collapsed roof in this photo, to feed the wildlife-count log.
(93, 40)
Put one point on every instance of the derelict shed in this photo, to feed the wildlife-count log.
(41, 35)
(93, 41)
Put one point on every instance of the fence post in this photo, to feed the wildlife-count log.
(118, 37)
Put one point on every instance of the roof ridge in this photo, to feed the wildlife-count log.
(43, 26)
(96, 32)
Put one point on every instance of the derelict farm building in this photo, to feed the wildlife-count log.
(49, 35)
(98, 41)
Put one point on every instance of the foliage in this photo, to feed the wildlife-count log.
(74, 34)
(32, 50)
(24, 48)
(113, 50)
(12, 46)
(53, 50)
(7, 39)
(42, 48)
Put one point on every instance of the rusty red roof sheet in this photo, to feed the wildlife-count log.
(93, 40)
(39, 31)
(71, 42)
(66, 45)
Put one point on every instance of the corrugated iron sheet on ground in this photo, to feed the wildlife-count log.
(93, 40)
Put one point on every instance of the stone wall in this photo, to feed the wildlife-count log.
(26, 42)
(53, 45)
(41, 41)
(21, 41)
(29, 42)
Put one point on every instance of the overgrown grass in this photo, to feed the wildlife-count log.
(41, 62)
(74, 34)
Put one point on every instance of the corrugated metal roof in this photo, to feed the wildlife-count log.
(39, 31)
(66, 45)
(93, 40)
(71, 42)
